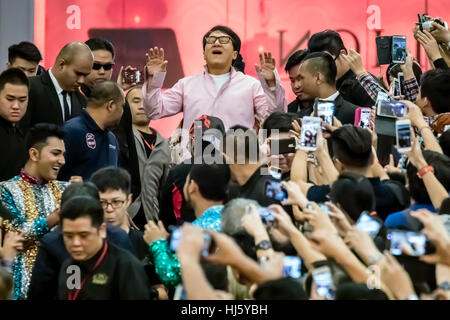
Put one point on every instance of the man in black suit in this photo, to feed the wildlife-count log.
(317, 79)
(54, 95)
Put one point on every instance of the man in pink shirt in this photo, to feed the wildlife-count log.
(220, 90)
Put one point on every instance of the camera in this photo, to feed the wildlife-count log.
(391, 49)
(426, 23)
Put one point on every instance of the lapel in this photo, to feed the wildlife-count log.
(52, 95)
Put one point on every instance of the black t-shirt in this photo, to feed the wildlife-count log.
(390, 196)
(149, 140)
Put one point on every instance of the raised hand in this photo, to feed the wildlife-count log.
(267, 68)
(429, 44)
(440, 33)
(355, 62)
(155, 61)
(120, 79)
(154, 232)
(295, 195)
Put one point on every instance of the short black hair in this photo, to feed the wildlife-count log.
(441, 166)
(327, 40)
(212, 180)
(352, 146)
(435, 86)
(80, 189)
(280, 289)
(13, 76)
(359, 291)
(100, 44)
(394, 69)
(238, 141)
(444, 142)
(38, 135)
(104, 92)
(83, 206)
(295, 59)
(282, 121)
(216, 274)
(445, 206)
(112, 178)
(24, 50)
(322, 62)
(354, 193)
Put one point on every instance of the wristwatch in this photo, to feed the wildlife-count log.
(264, 245)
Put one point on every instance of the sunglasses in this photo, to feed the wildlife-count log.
(106, 66)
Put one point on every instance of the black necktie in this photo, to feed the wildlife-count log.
(66, 106)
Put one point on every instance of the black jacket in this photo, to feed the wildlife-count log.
(352, 91)
(344, 111)
(298, 107)
(12, 149)
(120, 276)
(44, 105)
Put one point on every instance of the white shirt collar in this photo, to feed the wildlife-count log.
(333, 96)
(58, 88)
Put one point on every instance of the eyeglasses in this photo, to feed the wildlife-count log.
(222, 39)
(115, 204)
(106, 66)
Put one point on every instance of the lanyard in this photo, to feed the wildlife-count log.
(151, 147)
(74, 295)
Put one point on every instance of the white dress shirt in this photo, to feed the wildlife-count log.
(59, 91)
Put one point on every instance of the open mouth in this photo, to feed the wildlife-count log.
(56, 169)
(216, 51)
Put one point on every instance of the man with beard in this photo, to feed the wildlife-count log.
(89, 142)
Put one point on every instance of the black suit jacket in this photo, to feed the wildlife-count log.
(344, 111)
(44, 105)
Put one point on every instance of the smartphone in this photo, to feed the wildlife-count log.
(382, 96)
(275, 172)
(403, 134)
(368, 224)
(324, 282)
(391, 109)
(324, 110)
(308, 136)
(324, 208)
(131, 76)
(176, 237)
(292, 267)
(383, 44)
(362, 117)
(396, 91)
(401, 81)
(180, 293)
(398, 49)
(408, 243)
(284, 146)
(266, 216)
(275, 190)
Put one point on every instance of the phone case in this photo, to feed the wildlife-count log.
(357, 117)
(384, 48)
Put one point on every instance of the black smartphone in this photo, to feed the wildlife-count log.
(383, 44)
(275, 191)
(284, 146)
(131, 76)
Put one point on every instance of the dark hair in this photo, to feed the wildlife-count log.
(104, 92)
(394, 69)
(112, 178)
(327, 40)
(441, 166)
(359, 291)
(435, 86)
(80, 189)
(13, 76)
(247, 243)
(24, 50)
(279, 120)
(100, 44)
(444, 142)
(280, 289)
(322, 62)
(354, 193)
(445, 206)
(216, 274)
(238, 147)
(238, 63)
(212, 180)
(83, 206)
(397, 176)
(38, 135)
(295, 59)
(352, 146)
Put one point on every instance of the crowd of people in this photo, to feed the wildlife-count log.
(96, 204)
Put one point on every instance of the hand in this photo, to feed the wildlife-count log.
(329, 129)
(440, 33)
(295, 195)
(252, 223)
(12, 244)
(283, 222)
(361, 242)
(338, 218)
(274, 264)
(54, 218)
(395, 277)
(319, 219)
(120, 80)
(297, 129)
(391, 168)
(414, 114)
(355, 62)
(429, 44)
(76, 179)
(155, 61)
(407, 67)
(191, 242)
(227, 253)
(415, 156)
(322, 146)
(154, 232)
(267, 68)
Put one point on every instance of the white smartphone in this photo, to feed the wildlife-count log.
(391, 109)
(403, 133)
(308, 136)
(324, 282)
(325, 110)
(398, 49)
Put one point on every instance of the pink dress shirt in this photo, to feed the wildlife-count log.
(239, 100)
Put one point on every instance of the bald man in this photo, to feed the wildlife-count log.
(54, 95)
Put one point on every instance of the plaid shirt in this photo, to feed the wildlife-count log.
(372, 87)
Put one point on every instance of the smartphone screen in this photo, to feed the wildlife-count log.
(275, 191)
(364, 120)
(398, 49)
(266, 216)
(324, 282)
(368, 224)
(403, 135)
(401, 80)
(292, 267)
(407, 243)
(308, 137)
(396, 92)
(324, 208)
(175, 239)
(325, 111)
(382, 96)
(391, 109)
